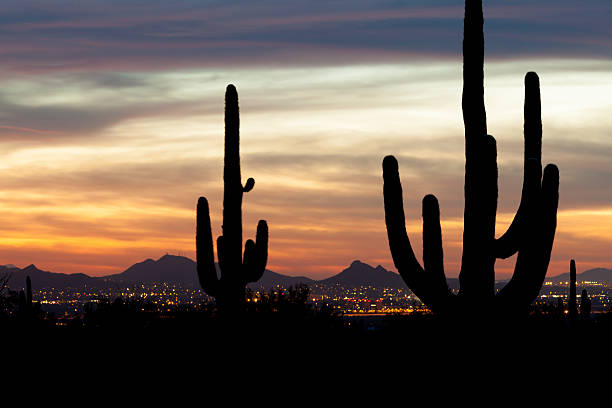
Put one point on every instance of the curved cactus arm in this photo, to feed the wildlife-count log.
(508, 244)
(256, 254)
(518, 286)
(432, 236)
(534, 253)
(261, 245)
(248, 261)
(250, 183)
(401, 251)
(433, 256)
(205, 257)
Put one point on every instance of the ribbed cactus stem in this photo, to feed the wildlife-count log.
(236, 269)
(571, 303)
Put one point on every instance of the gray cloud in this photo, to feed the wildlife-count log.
(161, 35)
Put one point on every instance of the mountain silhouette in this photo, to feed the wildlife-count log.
(45, 279)
(596, 274)
(271, 279)
(362, 274)
(169, 269)
(181, 270)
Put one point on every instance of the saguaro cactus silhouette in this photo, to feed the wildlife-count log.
(530, 234)
(572, 309)
(585, 305)
(236, 270)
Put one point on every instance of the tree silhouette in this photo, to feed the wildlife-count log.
(236, 270)
(531, 233)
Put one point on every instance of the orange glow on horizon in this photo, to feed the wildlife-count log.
(99, 197)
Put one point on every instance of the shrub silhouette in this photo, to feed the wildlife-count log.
(531, 233)
(236, 270)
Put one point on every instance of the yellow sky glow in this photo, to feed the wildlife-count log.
(96, 199)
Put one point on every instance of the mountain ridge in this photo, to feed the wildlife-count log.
(174, 269)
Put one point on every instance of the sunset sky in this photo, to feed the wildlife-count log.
(111, 124)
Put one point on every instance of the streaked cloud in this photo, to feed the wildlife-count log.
(112, 36)
(111, 124)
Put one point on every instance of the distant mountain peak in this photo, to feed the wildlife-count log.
(362, 274)
(10, 266)
(595, 274)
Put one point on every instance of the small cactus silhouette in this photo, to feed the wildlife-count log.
(236, 270)
(28, 293)
(25, 297)
(585, 305)
(532, 231)
(572, 309)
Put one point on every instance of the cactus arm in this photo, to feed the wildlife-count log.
(534, 253)
(401, 251)
(508, 244)
(205, 257)
(543, 237)
(249, 261)
(433, 256)
(517, 290)
(261, 246)
(432, 236)
(249, 185)
(256, 254)
(477, 275)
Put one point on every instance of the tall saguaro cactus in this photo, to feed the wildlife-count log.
(236, 269)
(532, 231)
